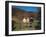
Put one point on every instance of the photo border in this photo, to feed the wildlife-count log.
(7, 17)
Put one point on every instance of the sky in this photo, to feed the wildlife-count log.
(28, 8)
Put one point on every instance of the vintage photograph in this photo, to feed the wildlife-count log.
(26, 18)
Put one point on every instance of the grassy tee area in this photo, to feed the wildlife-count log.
(18, 25)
